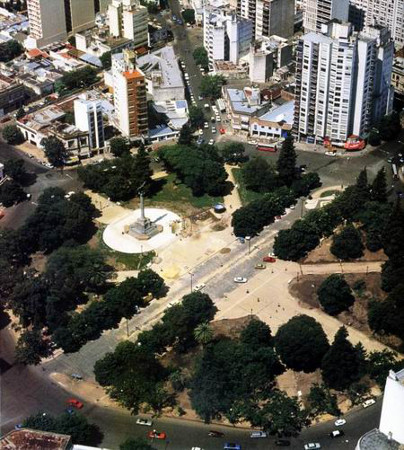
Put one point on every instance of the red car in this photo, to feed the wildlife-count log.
(156, 435)
(222, 131)
(75, 403)
(269, 259)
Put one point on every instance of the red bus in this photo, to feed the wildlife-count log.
(267, 147)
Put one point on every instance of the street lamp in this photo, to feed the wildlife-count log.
(192, 276)
(248, 239)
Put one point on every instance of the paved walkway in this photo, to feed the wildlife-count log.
(232, 201)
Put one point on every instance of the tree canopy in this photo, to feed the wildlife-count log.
(10, 50)
(259, 175)
(201, 57)
(119, 146)
(286, 164)
(15, 169)
(12, 135)
(301, 343)
(211, 86)
(334, 295)
(11, 193)
(55, 151)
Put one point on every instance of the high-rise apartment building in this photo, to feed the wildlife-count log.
(226, 36)
(387, 13)
(88, 117)
(319, 12)
(129, 95)
(128, 19)
(342, 82)
(53, 20)
(269, 17)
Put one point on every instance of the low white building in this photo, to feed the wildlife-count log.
(273, 124)
(88, 117)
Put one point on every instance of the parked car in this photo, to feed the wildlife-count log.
(369, 402)
(213, 433)
(199, 287)
(205, 125)
(156, 434)
(336, 433)
(75, 403)
(269, 259)
(200, 140)
(282, 443)
(312, 446)
(214, 131)
(144, 422)
(240, 280)
(231, 446)
(222, 131)
(260, 266)
(258, 434)
(76, 376)
(211, 142)
(340, 422)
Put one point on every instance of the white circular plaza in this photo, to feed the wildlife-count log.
(116, 238)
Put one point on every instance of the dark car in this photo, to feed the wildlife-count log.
(282, 443)
(213, 433)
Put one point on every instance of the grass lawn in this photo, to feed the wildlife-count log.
(172, 193)
(246, 195)
(122, 261)
(328, 193)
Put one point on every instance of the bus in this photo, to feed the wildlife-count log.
(272, 147)
(394, 169)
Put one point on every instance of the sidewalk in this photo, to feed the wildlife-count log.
(232, 201)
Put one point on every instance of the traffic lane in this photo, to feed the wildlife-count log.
(8, 151)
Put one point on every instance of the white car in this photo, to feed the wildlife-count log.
(218, 119)
(206, 125)
(312, 446)
(240, 280)
(340, 422)
(369, 402)
(199, 287)
(200, 132)
(258, 434)
(144, 422)
(214, 130)
(211, 142)
(331, 153)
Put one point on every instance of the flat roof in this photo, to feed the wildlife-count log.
(133, 74)
(240, 103)
(27, 439)
(282, 113)
(376, 440)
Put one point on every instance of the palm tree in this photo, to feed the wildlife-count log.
(203, 333)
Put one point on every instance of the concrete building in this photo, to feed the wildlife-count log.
(12, 94)
(128, 19)
(1, 171)
(88, 117)
(27, 439)
(386, 13)
(342, 82)
(266, 56)
(268, 16)
(390, 435)
(130, 99)
(226, 36)
(397, 78)
(319, 12)
(274, 124)
(79, 14)
(47, 21)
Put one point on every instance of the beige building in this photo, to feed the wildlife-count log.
(397, 77)
(128, 19)
(80, 15)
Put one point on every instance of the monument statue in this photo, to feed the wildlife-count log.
(143, 228)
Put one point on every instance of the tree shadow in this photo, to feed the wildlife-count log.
(157, 186)
(29, 179)
(4, 319)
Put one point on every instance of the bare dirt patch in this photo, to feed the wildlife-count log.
(305, 290)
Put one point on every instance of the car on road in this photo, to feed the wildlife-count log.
(211, 142)
(199, 287)
(144, 422)
(331, 153)
(260, 266)
(214, 131)
(156, 434)
(206, 106)
(200, 132)
(205, 125)
(240, 280)
(214, 433)
(75, 403)
(200, 97)
(258, 434)
(222, 131)
(312, 446)
(340, 422)
(282, 443)
(231, 446)
(200, 140)
(212, 119)
(269, 259)
(336, 433)
(369, 402)
(76, 376)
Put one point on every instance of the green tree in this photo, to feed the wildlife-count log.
(393, 246)
(201, 57)
(12, 135)
(379, 187)
(286, 164)
(390, 127)
(322, 401)
(257, 334)
(31, 348)
(374, 138)
(77, 79)
(280, 415)
(186, 136)
(20, 113)
(340, 366)
(347, 244)
(11, 193)
(151, 282)
(15, 169)
(203, 333)
(259, 175)
(136, 444)
(334, 295)
(10, 50)
(75, 425)
(106, 60)
(211, 86)
(380, 363)
(119, 146)
(55, 151)
(301, 343)
(196, 116)
(188, 16)
(233, 152)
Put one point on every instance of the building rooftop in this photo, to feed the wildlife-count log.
(282, 113)
(163, 63)
(132, 75)
(376, 440)
(43, 117)
(26, 439)
(241, 103)
(317, 38)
